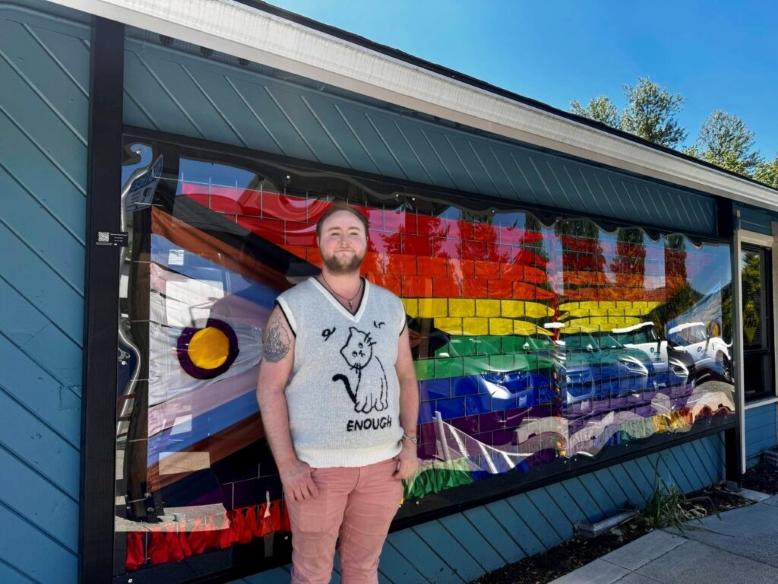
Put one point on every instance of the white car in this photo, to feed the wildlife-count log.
(707, 351)
(669, 368)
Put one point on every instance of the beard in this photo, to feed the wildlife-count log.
(338, 266)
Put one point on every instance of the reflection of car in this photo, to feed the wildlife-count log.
(708, 352)
(491, 353)
(511, 371)
(597, 366)
(533, 342)
(527, 388)
(671, 366)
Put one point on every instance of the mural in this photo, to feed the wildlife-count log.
(535, 341)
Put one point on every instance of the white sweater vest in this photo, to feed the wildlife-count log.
(343, 394)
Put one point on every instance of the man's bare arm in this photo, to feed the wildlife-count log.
(274, 371)
(409, 406)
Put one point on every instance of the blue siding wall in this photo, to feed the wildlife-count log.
(761, 432)
(44, 76)
(463, 546)
(758, 220)
(180, 93)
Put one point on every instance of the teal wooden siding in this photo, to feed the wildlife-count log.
(44, 107)
(460, 547)
(761, 431)
(216, 99)
(758, 220)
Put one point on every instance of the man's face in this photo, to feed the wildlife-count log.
(342, 243)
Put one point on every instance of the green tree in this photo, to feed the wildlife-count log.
(600, 109)
(726, 141)
(651, 113)
(767, 173)
(751, 278)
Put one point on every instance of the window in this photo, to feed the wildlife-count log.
(755, 273)
(517, 329)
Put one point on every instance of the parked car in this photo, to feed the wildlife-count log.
(595, 366)
(529, 381)
(519, 389)
(711, 354)
(672, 366)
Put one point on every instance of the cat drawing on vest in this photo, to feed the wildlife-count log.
(367, 386)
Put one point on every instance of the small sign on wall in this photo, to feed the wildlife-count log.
(112, 239)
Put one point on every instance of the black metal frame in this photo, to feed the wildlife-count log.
(733, 468)
(98, 417)
(766, 309)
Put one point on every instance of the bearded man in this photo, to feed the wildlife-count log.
(339, 401)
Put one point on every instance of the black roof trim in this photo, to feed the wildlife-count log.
(474, 82)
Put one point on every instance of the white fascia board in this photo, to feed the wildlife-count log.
(255, 35)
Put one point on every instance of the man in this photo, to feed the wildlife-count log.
(339, 401)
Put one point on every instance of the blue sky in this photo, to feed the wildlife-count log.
(718, 54)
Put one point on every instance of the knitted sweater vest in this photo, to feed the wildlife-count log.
(343, 395)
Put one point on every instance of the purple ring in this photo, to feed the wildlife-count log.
(182, 350)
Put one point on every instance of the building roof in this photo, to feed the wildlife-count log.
(276, 38)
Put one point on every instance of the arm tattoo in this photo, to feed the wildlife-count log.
(276, 342)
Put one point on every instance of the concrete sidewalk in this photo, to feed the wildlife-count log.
(741, 547)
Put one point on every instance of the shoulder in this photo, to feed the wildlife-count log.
(297, 292)
(292, 303)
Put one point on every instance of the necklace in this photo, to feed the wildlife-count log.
(342, 299)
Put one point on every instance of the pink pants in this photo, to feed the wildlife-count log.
(354, 508)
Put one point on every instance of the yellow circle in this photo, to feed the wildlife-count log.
(209, 348)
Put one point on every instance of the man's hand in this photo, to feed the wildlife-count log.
(298, 482)
(407, 461)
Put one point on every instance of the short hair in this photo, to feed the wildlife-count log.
(336, 207)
